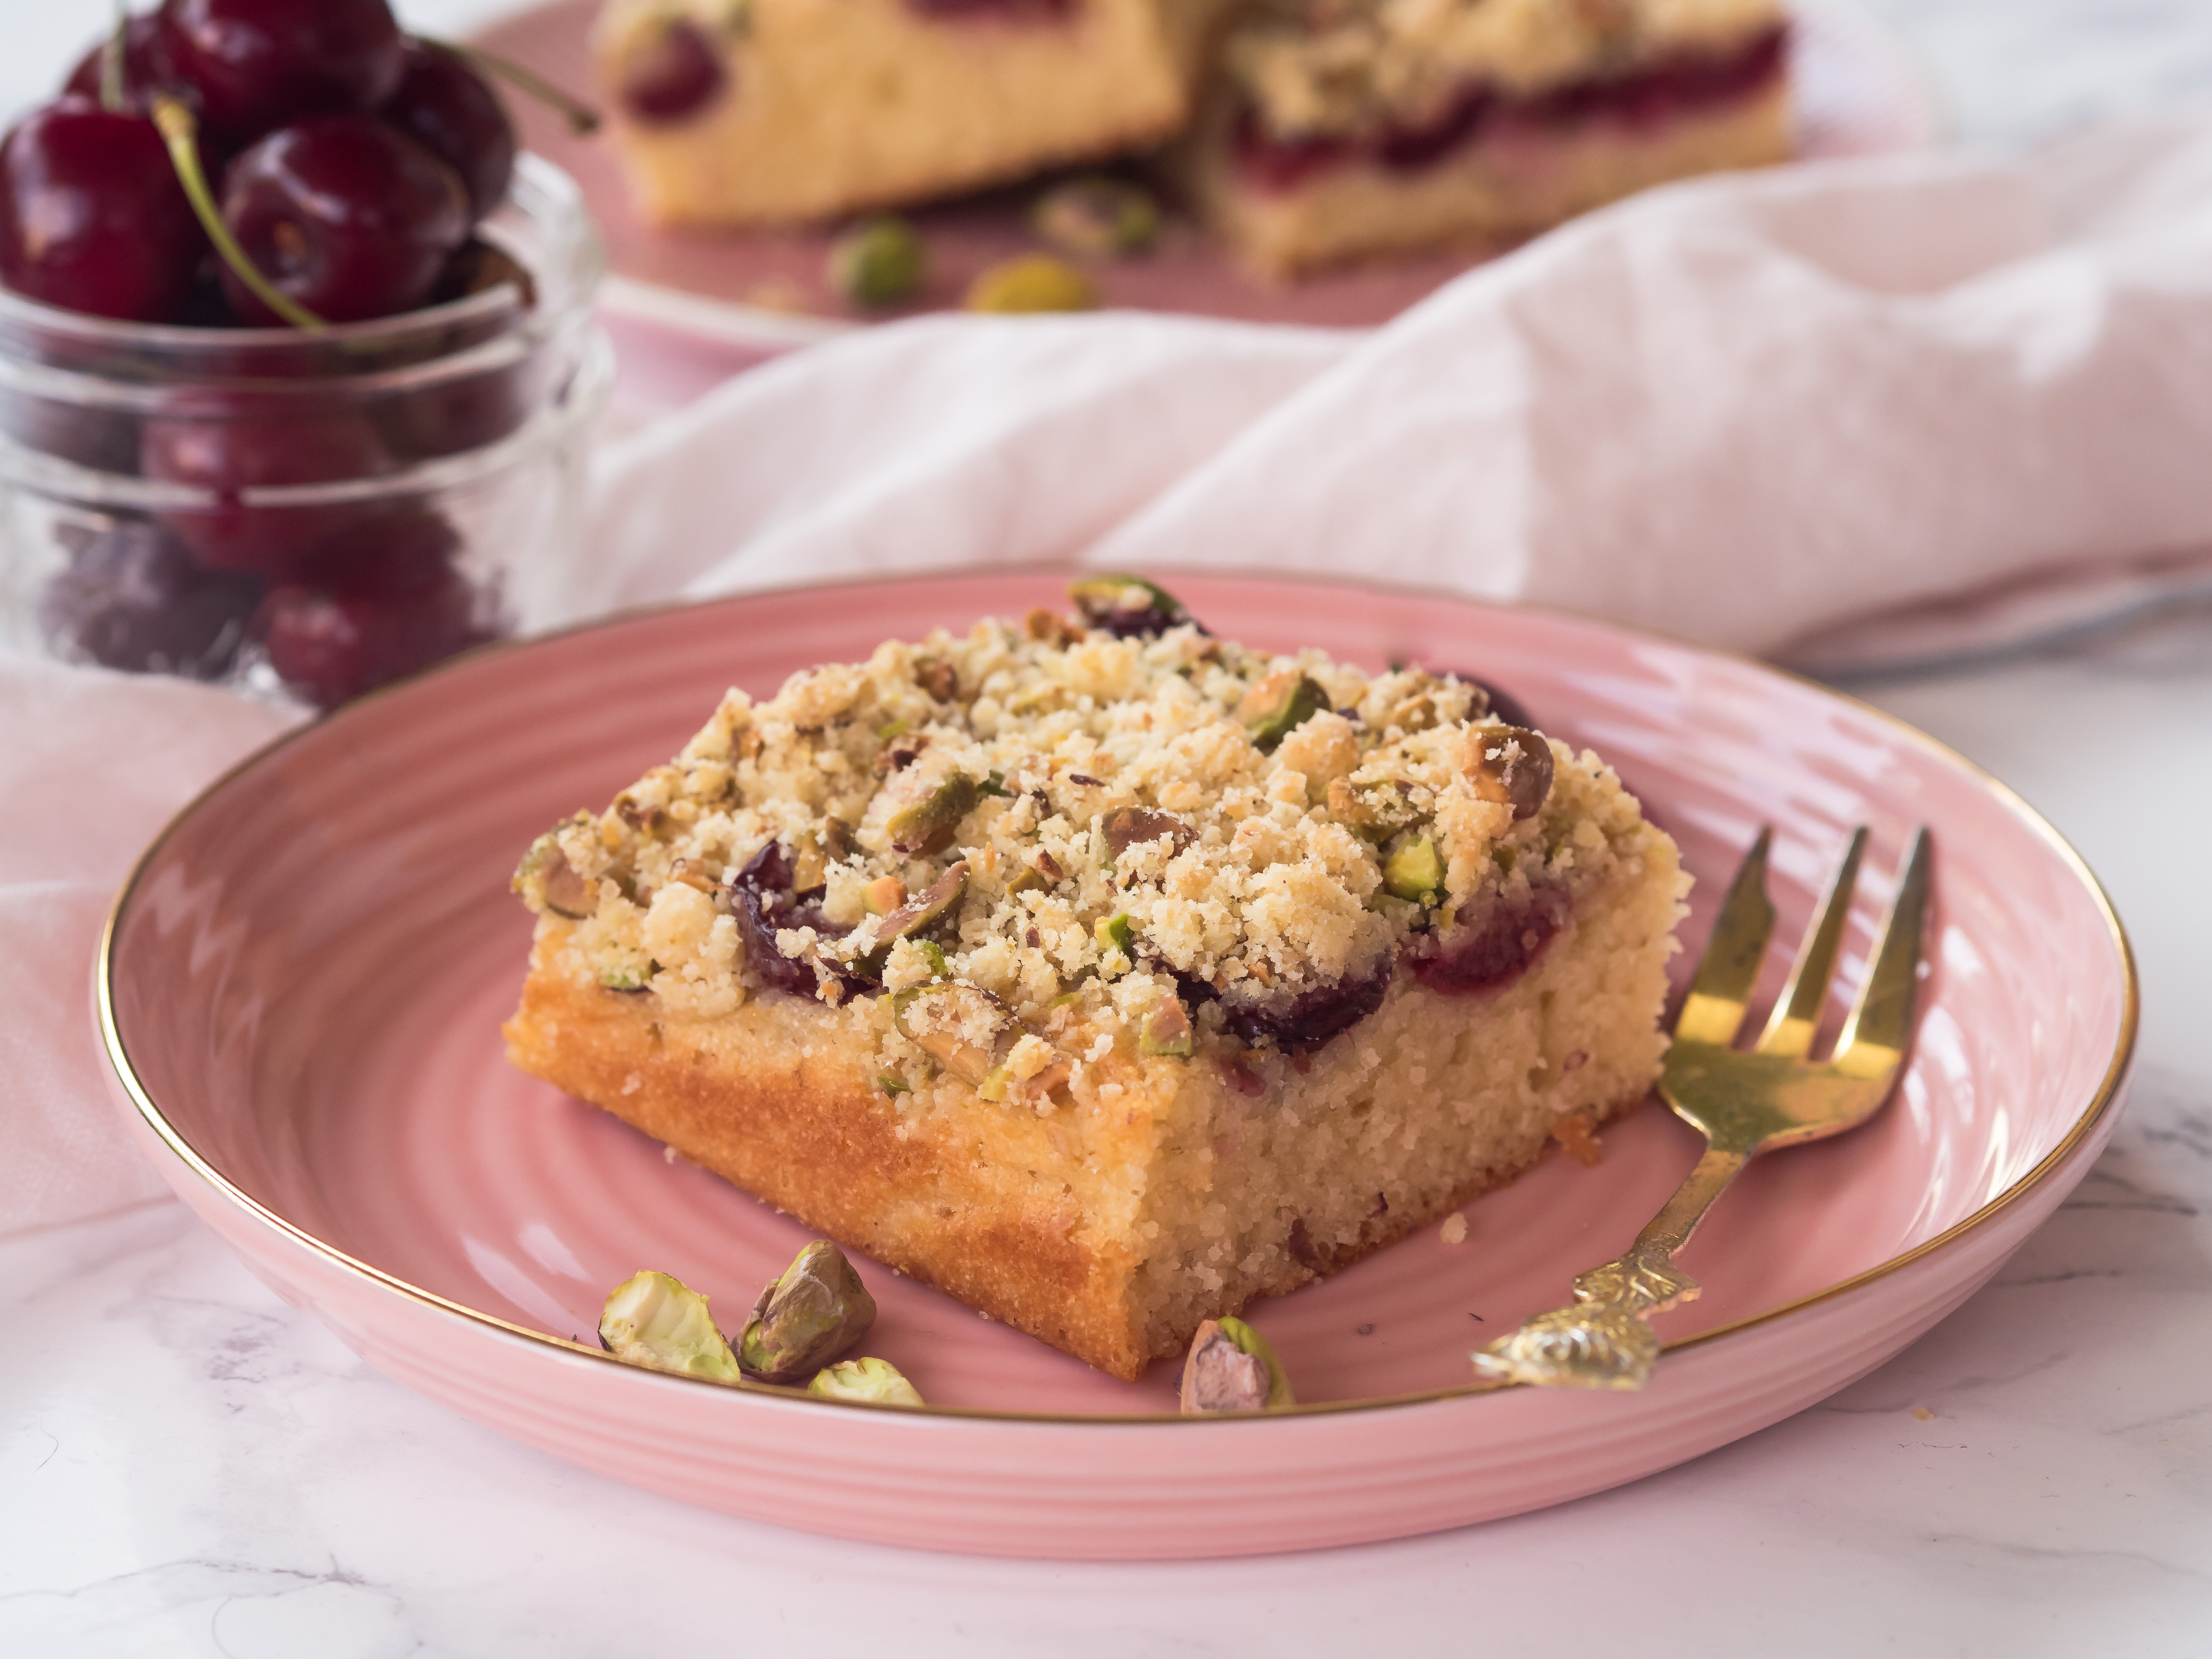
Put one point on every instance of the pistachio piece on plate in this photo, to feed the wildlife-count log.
(1415, 871)
(1230, 1368)
(813, 1313)
(1034, 282)
(1096, 217)
(1278, 705)
(1511, 766)
(879, 262)
(877, 1382)
(661, 1323)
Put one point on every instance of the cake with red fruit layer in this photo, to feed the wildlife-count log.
(1106, 975)
(768, 112)
(1335, 131)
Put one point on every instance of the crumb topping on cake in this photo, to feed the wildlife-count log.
(1317, 69)
(1019, 851)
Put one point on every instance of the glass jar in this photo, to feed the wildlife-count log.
(306, 514)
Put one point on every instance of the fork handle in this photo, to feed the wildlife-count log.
(1604, 1339)
(1670, 1229)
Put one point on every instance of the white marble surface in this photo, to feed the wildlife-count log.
(186, 1466)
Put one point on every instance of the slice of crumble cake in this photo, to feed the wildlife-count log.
(1106, 975)
(1344, 130)
(776, 112)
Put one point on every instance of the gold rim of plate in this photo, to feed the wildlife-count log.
(2107, 1088)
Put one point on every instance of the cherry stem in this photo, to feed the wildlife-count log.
(583, 120)
(110, 63)
(180, 131)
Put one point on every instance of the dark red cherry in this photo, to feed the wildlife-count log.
(452, 112)
(347, 216)
(673, 75)
(133, 598)
(145, 65)
(254, 64)
(227, 450)
(331, 643)
(92, 217)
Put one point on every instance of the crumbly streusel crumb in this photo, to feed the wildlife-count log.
(1164, 845)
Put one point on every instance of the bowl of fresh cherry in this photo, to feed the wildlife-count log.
(296, 353)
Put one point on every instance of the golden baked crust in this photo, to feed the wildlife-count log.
(815, 1136)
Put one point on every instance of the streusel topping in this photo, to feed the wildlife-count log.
(1027, 841)
(1316, 68)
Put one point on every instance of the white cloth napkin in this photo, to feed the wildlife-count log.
(1814, 411)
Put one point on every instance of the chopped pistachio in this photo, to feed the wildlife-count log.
(1097, 218)
(566, 893)
(1127, 607)
(877, 1382)
(1167, 1032)
(927, 826)
(892, 1084)
(818, 1309)
(923, 908)
(1277, 705)
(879, 262)
(939, 677)
(1114, 932)
(1511, 766)
(1129, 826)
(1231, 1368)
(883, 895)
(970, 1062)
(655, 1321)
(933, 953)
(810, 867)
(1032, 282)
(1415, 871)
(1042, 872)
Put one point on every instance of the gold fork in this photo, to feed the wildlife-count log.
(1744, 1102)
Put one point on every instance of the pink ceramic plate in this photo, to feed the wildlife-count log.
(302, 985)
(1858, 94)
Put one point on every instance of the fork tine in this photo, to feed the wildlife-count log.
(1796, 1014)
(1874, 1036)
(1714, 1008)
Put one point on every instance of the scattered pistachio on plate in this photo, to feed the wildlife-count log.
(1097, 218)
(1231, 1368)
(879, 262)
(1033, 281)
(818, 1309)
(659, 1323)
(876, 1381)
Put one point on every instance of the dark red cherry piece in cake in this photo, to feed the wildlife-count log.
(91, 215)
(673, 76)
(254, 64)
(448, 107)
(348, 216)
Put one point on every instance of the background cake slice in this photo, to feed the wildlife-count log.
(1106, 982)
(772, 111)
(1336, 130)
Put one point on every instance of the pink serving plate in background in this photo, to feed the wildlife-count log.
(703, 304)
(302, 984)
